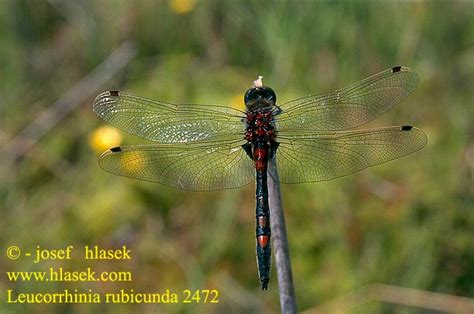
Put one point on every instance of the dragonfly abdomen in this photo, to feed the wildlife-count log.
(262, 213)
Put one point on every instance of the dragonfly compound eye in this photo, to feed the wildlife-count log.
(258, 97)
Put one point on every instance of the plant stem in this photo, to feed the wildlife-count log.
(280, 242)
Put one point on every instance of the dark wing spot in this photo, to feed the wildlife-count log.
(114, 93)
(396, 69)
(116, 149)
(406, 128)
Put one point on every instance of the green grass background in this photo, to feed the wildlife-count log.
(407, 223)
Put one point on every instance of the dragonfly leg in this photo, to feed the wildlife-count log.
(248, 149)
(273, 148)
(277, 110)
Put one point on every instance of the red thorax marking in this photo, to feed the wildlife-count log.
(259, 125)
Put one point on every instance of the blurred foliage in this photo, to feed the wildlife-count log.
(408, 223)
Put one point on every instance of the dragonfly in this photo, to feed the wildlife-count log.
(207, 147)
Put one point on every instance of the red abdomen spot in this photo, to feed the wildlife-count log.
(260, 165)
(262, 241)
(260, 157)
(260, 154)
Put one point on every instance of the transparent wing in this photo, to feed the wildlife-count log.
(194, 167)
(168, 123)
(324, 156)
(349, 107)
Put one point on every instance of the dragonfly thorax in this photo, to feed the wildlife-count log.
(260, 132)
(260, 126)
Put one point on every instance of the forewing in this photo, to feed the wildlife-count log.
(190, 167)
(325, 156)
(168, 123)
(349, 107)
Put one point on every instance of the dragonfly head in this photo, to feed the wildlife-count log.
(259, 98)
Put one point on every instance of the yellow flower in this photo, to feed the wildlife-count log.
(104, 138)
(237, 102)
(182, 6)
